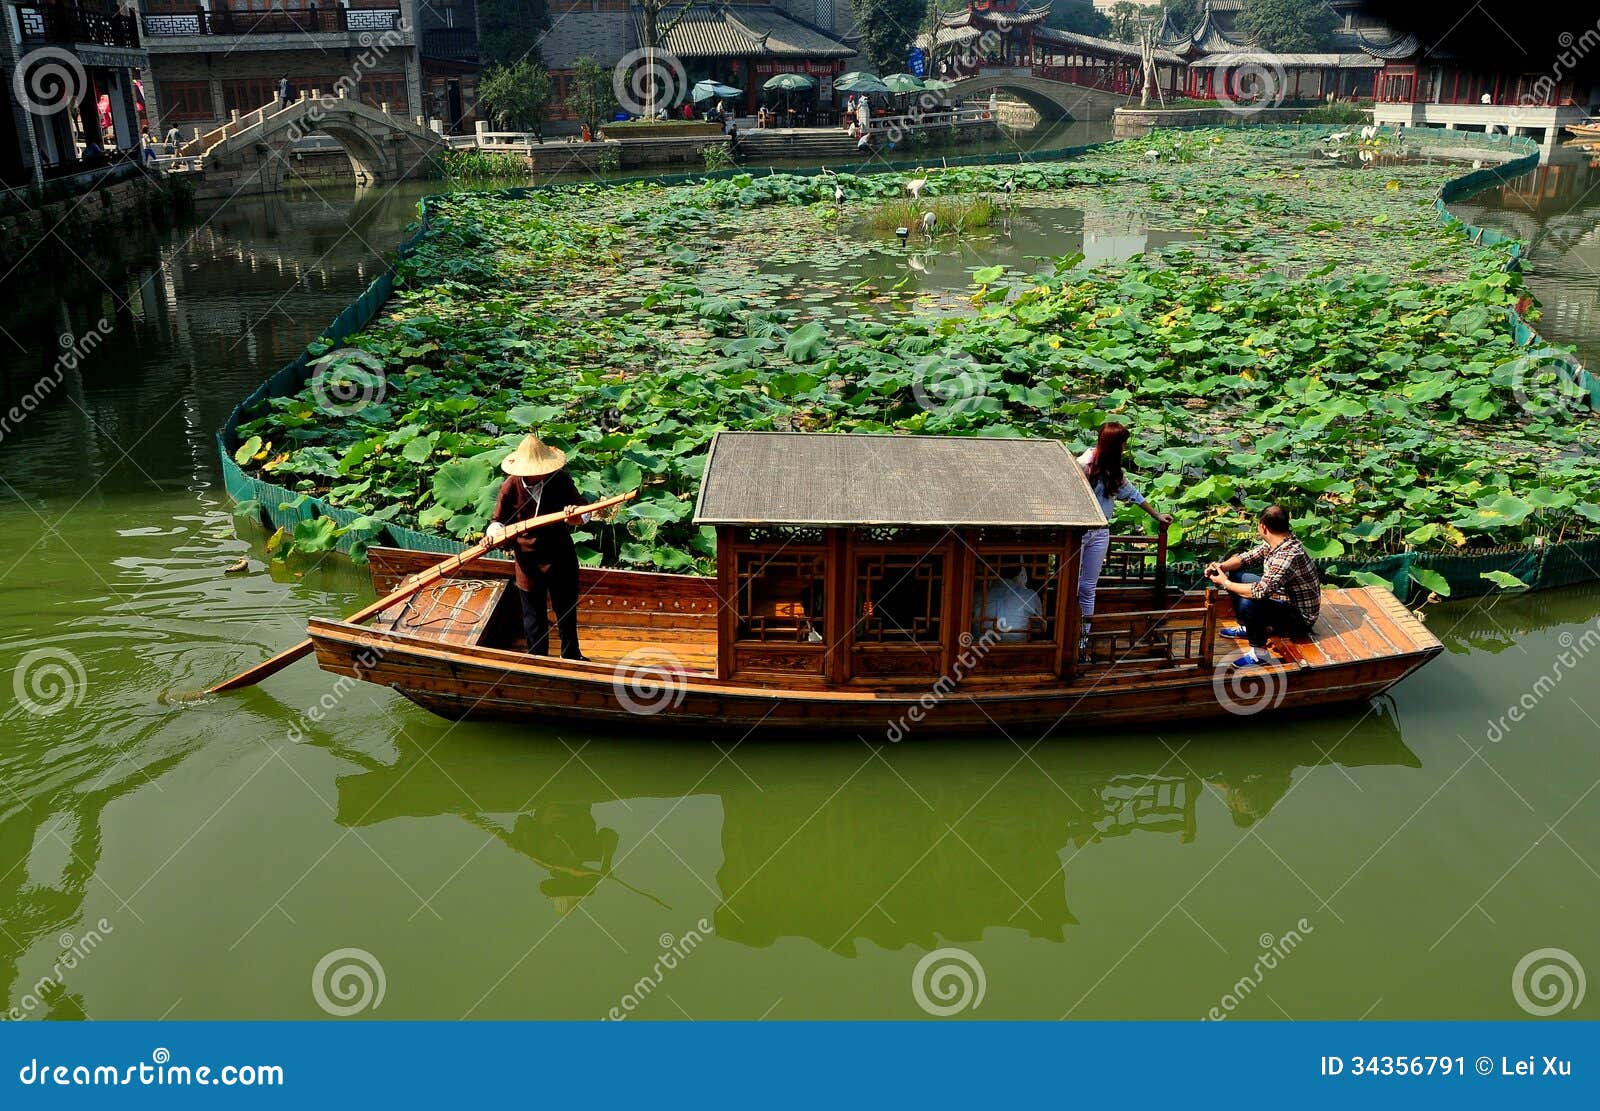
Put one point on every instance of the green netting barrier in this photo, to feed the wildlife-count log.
(1540, 565)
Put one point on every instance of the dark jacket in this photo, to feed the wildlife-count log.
(551, 544)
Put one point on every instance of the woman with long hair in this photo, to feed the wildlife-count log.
(1102, 466)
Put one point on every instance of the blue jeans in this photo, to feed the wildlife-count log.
(1262, 617)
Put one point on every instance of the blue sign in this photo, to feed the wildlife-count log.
(1303, 1065)
(916, 63)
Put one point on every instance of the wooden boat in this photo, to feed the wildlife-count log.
(871, 586)
(1589, 129)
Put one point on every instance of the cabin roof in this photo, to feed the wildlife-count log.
(853, 479)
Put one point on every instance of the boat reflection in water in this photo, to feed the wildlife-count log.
(905, 846)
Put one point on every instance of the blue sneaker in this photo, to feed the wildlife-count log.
(1250, 659)
(1235, 632)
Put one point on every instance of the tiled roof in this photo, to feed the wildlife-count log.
(1289, 61)
(724, 32)
(1400, 46)
(962, 17)
(1103, 46)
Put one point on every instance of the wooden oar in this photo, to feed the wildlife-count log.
(425, 578)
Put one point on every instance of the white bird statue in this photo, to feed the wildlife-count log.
(1370, 131)
(929, 223)
(1009, 188)
(1337, 137)
(1152, 155)
(916, 185)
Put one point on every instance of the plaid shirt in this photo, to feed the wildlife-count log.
(1287, 575)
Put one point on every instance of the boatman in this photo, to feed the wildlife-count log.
(547, 562)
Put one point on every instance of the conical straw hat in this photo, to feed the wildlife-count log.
(533, 458)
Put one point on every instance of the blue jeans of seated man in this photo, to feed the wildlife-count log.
(1262, 617)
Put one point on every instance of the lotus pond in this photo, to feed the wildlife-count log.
(1295, 327)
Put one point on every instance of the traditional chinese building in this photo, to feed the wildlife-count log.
(1421, 87)
(1224, 62)
(68, 86)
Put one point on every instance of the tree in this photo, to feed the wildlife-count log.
(1080, 16)
(509, 30)
(1288, 26)
(886, 29)
(653, 32)
(1126, 18)
(1185, 14)
(592, 96)
(516, 97)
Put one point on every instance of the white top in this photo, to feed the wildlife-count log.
(1127, 492)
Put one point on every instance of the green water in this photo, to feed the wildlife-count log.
(1394, 861)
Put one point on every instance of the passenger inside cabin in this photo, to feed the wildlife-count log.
(1284, 598)
(1007, 607)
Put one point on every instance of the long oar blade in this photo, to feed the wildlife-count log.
(433, 574)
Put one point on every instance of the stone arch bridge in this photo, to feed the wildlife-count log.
(253, 153)
(1051, 99)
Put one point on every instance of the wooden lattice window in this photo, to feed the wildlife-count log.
(1014, 596)
(782, 596)
(899, 598)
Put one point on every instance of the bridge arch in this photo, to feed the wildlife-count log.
(1051, 99)
(254, 149)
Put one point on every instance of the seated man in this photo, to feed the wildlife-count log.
(1284, 598)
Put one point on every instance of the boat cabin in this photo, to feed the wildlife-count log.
(879, 559)
(860, 580)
